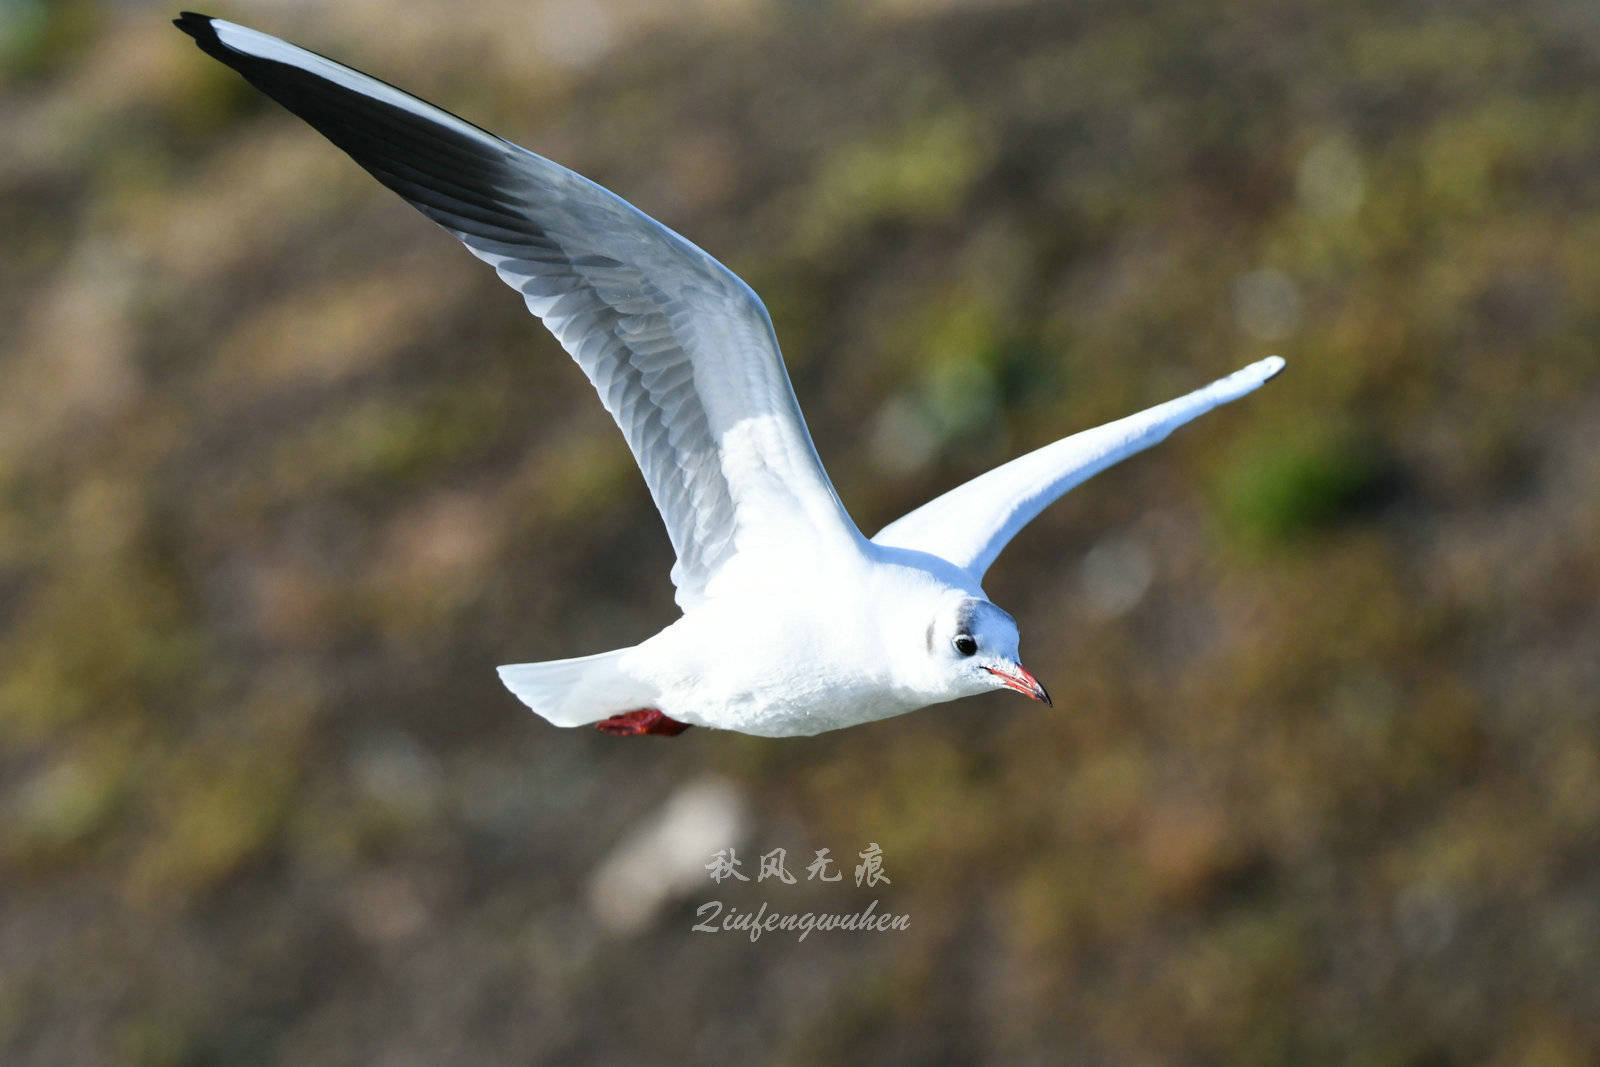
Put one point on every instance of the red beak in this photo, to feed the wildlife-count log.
(1016, 676)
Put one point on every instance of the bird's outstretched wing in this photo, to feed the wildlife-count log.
(969, 525)
(680, 349)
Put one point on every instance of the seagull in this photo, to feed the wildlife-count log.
(792, 623)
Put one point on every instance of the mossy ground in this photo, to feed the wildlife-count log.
(284, 474)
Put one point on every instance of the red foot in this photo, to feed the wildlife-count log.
(643, 721)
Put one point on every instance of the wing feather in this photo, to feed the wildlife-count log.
(680, 350)
(969, 525)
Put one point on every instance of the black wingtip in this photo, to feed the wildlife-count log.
(204, 31)
(195, 25)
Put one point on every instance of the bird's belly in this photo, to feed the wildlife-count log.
(767, 714)
(781, 663)
(778, 703)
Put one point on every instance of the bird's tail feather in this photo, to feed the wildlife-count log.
(575, 692)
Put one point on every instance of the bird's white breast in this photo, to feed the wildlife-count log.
(790, 656)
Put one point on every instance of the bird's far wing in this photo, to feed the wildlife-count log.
(681, 351)
(969, 525)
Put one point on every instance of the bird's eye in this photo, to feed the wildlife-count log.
(966, 644)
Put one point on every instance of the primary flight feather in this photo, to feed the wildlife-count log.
(793, 623)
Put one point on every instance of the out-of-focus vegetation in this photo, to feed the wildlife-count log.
(284, 473)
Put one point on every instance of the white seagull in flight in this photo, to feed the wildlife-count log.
(793, 623)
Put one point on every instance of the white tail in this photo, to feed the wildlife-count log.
(574, 692)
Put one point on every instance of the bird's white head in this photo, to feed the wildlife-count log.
(973, 646)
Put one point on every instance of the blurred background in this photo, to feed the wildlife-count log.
(284, 473)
